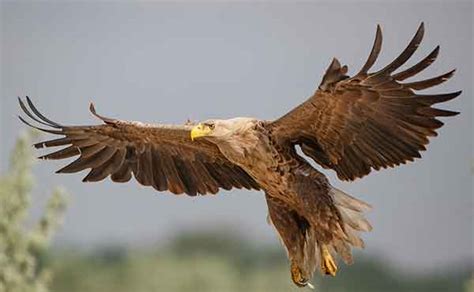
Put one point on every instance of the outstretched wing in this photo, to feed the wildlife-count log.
(371, 120)
(160, 156)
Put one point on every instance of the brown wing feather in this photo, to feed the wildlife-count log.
(371, 120)
(160, 156)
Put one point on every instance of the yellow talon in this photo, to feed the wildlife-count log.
(297, 276)
(328, 265)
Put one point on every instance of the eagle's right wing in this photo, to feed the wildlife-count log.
(369, 121)
(160, 156)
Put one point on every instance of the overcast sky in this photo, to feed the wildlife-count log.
(169, 62)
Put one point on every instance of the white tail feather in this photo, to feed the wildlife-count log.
(355, 220)
(347, 201)
(352, 214)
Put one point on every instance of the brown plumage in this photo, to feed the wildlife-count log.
(352, 125)
(160, 156)
(371, 120)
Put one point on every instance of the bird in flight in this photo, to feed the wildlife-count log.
(351, 125)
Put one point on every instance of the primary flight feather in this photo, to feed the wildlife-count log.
(352, 125)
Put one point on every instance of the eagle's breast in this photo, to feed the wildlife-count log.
(255, 153)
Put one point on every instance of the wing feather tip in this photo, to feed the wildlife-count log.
(375, 51)
(434, 54)
(450, 73)
(104, 119)
(420, 66)
(438, 98)
(406, 53)
(92, 108)
(431, 82)
(453, 95)
(421, 27)
(454, 113)
(42, 119)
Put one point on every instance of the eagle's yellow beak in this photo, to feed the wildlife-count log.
(200, 130)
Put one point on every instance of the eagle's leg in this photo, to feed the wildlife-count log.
(298, 239)
(335, 217)
(297, 275)
(328, 265)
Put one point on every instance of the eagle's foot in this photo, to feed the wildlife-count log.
(297, 276)
(328, 265)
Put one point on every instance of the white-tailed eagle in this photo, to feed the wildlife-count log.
(352, 124)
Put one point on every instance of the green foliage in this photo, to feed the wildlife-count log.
(223, 262)
(20, 250)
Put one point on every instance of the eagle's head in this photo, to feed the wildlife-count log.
(222, 129)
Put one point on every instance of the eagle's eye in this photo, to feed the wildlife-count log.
(211, 126)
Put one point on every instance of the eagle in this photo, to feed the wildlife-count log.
(351, 124)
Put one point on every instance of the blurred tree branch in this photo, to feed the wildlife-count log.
(19, 248)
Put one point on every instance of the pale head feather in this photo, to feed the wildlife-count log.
(223, 129)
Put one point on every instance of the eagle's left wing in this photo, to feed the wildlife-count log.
(161, 156)
(371, 120)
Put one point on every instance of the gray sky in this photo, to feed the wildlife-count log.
(158, 62)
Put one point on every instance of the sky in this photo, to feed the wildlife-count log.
(165, 62)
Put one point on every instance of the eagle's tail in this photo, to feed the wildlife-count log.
(352, 215)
